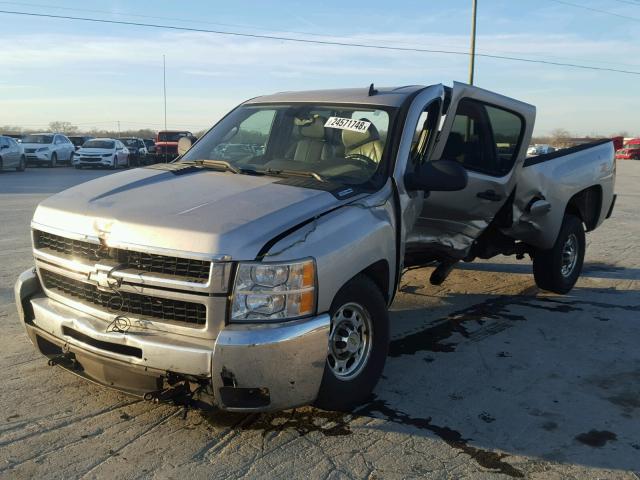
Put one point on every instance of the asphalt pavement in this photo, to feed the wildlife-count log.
(487, 377)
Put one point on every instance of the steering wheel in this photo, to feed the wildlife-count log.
(358, 157)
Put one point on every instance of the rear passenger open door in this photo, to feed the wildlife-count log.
(488, 134)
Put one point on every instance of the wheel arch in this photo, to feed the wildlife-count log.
(587, 206)
(378, 273)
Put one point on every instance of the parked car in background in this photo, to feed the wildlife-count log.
(11, 154)
(630, 150)
(540, 149)
(137, 151)
(167, 143)
(47, 148)
(16, 136)
(150, 144)
(618, 142)
(102, 152)
(78, 140)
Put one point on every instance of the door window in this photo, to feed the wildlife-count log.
(484, 138)
(423, 135)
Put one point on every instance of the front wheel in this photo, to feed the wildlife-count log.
(22, 165)
(114, 165)
(557, 269)
(358, 345)
(54, 160)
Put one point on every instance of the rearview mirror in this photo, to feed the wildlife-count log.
(184, 144)
(437, 176)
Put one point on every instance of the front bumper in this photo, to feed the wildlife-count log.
(38, 157)
(247, 367)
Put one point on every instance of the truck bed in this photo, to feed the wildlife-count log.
(587, 171)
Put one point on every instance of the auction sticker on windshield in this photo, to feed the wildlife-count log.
(348, 124)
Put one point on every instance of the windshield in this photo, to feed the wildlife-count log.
(338, 143)
(631, 146)
(38, 139)
(108, 144)
(129, 142)
(77, 141)
(172, 136)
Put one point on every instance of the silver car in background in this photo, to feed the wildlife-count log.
(102, 152)
(11, 154)
(47, 148)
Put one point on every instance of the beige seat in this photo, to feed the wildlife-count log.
(367, 144)
(313, 147)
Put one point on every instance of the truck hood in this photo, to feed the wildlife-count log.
(204, 211)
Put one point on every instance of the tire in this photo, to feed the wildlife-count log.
(54, 160)
(22, 164)
(78, 167)
(114, 166)
(1, 166)
(360, 298)
(557, 269)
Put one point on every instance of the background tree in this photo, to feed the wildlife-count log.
(63, 127)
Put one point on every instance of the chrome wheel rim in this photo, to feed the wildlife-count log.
(569, 255)
(350, 341)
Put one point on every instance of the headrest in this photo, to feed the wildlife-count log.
(314, 129)
(352, 139)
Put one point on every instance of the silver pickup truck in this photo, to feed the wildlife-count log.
(255, 272)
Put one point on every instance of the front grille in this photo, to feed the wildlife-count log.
(29, 150)
(90, 159)
(126, 302)
(183, 268)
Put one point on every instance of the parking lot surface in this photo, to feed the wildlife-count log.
(487, 377)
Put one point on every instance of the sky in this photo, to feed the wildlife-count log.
(94, 75)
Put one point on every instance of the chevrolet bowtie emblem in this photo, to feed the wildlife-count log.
(101, 276)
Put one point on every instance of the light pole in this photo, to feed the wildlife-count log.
(472, 58)
(164, 83)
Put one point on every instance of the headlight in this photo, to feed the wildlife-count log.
(43, 149)
(274, 291)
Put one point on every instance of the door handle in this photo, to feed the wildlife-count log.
(489, 195)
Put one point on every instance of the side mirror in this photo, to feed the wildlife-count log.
(184, 144)
(438, 176)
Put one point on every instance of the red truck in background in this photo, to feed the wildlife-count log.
(167, 143)
(630, 150)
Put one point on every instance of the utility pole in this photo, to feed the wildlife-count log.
(164, 81)
(472, 58)
(118, 128)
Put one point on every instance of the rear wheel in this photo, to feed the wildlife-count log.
(358, 345)
(557, 269)
(22, 164)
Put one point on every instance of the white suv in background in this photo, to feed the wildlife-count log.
(47, 148)
(102, 152)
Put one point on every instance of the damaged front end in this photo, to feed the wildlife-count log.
(244, 367)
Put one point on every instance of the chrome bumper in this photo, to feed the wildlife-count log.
(247, 367)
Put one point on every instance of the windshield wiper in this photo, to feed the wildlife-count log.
(298, 173)
(215, 164)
